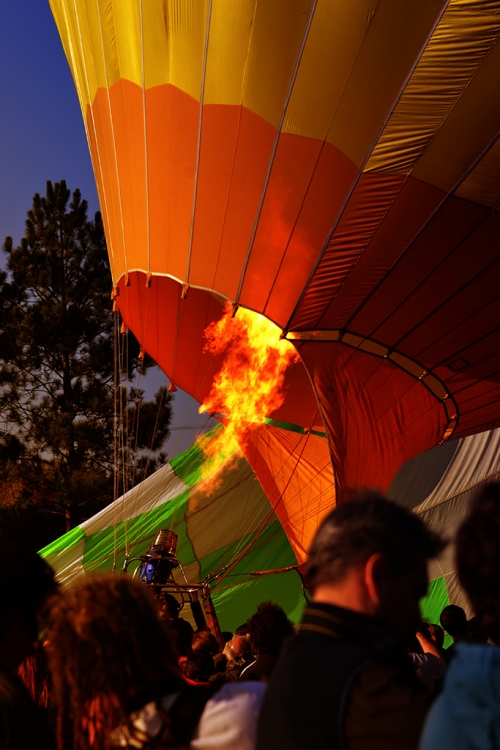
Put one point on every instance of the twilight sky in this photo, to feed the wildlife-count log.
(42, 138)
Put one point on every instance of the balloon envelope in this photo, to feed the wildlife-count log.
(236, 527)
(334, 166)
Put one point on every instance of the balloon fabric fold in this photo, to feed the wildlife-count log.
(334, 167)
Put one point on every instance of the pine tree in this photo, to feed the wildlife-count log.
(59, 436)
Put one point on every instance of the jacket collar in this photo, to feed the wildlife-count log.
(344, 625)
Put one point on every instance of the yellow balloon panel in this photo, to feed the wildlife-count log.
(216, 196)
(483, 183)
(448, 94)
(316, 68)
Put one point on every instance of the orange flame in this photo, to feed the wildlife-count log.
(249, 387)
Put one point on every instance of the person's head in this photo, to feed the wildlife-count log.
(199, 666)
(454, 621)
(238, 651)
(168, 606)
(474, 630)
(370, 555)
(204, 640)
(26, 581)
(180, 638)
(437, 634)
(242, 629)
(268, 628)
(107, 648)
(478, 559)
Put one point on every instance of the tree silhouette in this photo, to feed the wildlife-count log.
(60, 438)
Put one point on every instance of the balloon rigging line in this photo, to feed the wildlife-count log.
(235, 562)
(124, 431)
(236, 142)
(314, 170)
(251, 527)
(488, 376)
(449, 498)
(138, 400)
(424, 151)
(241, 529)
(275, 147)
(198, 144)
(108, 99)
(458, 352)
(356, 254)
(359, 173)
(138, 403)
(138, 530)
(174, 349)
(141, 523)
(291, 455)
(440, 265)
(115, 432)
(144, 126)
(457, 292)
(102, 196)
(420, 232)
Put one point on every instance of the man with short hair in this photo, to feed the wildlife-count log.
(454, 621)
(180, 631)
(344, 681)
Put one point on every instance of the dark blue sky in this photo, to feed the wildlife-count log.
(42, 138)
(41, 129)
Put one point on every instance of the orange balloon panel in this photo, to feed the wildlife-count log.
(377, 414)
(194, 220)
(295, 471)
(171, 330)
(334, 166)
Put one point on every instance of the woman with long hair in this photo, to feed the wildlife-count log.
(116, 681)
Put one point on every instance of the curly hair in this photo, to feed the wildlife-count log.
(478, 558)
(108, 655)
(268, 628)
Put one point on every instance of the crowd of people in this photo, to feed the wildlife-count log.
(105, 664)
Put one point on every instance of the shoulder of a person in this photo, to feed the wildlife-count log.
(230, 718)
(386, 708)
(250, 669)
(392, 677)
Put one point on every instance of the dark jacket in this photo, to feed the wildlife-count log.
(261, 669)
(342, 682)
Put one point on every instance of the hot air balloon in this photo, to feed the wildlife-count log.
(232, 537)
(333, 167)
